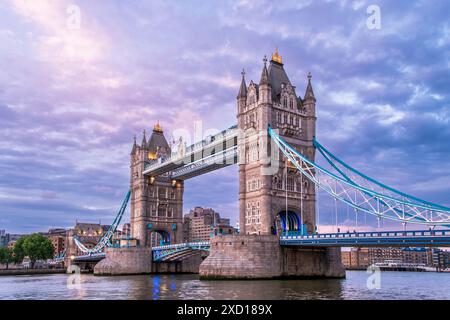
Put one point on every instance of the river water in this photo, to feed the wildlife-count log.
(389, 285)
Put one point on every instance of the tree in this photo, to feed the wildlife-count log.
(18, 253)
(35, 246)
(6, 256)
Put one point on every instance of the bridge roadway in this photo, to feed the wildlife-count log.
(421, 238)
(214, 152)
(430, 238)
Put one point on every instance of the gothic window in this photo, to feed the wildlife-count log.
(285, 102)
(291, 120)
(280, 184)
(291, 103)
(161, 212)
(279, 117)
(285, 119)
(290, 184)
(296, 121)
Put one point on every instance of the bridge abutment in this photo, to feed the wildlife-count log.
(121, 261)
(262, 257)
(314, 262)
(138, 260)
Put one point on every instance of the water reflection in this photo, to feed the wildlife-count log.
(394, 285)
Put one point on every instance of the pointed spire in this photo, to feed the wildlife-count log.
(243, 89)
(144, 140)
(134, 145)
(309, 94)
(265, 73)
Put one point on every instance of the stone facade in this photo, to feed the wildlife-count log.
(273, 195)
(242, 257)
(121, 261)
(156, 202)
(138, 260)
(262, 257)
(264, 179)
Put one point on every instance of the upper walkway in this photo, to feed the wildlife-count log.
(210, 154)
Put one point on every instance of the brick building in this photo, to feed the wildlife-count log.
(201, 224)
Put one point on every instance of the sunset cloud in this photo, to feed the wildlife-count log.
(71, 99)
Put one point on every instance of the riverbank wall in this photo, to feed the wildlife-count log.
(20, 272)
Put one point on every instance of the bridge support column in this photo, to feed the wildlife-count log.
(120, 261)
(261, 257)
(312, 262)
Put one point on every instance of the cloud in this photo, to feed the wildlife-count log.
(71, 99)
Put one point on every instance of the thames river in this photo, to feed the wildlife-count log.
(389, 285)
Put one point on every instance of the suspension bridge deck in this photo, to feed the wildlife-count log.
(370, 239)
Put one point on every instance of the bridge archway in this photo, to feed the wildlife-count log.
(288, 221)
(158, 237)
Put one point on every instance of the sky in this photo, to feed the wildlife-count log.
(79, 78)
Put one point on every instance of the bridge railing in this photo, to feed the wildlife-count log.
(182, 245)
(209, 142)
(372, 234)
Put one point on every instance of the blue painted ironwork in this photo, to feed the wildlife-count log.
(167, 252)
(90, 257)
(327, 155)
(106, 239)
(367, 239)
(362, 198)
(197, 158)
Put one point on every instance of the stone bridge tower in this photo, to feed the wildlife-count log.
(156, 202)
(272, 196)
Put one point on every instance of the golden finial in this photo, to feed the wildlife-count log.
(157, 127)
(276, 57)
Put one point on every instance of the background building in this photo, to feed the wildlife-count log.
(359, 258)
(201, 224)
(4, 238)
(58, 238)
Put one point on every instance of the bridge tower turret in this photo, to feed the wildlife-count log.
(271, 196)
(156, 202)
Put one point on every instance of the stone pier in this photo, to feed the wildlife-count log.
(138, 260)
(261, 257)
(122, 261)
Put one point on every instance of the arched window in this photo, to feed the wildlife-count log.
(285, 102)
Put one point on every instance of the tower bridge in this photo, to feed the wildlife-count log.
(274, 144)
